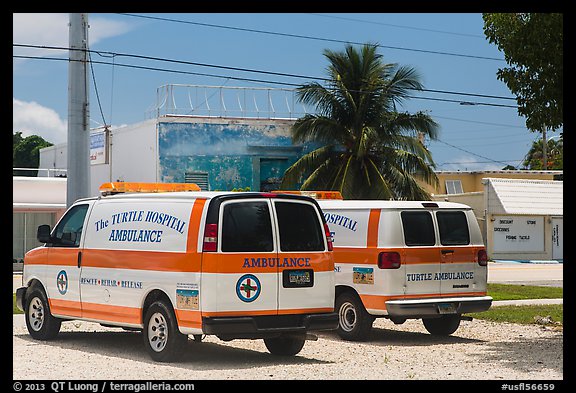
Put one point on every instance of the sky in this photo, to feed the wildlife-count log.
(480, 128)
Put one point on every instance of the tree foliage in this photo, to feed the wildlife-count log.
(532, 44)
(368, 150)
(26, 152)
(534, 160)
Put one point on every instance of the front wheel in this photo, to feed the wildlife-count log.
(162, 339)
(39, 321)
(284, 346)
(443, 326)
(354, 322)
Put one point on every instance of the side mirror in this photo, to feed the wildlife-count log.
(43, 234)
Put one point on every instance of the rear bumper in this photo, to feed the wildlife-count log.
(418, 308)
(268, 325)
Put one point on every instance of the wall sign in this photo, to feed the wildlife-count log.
(518, 234)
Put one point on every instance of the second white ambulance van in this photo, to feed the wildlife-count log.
(406, 259)
(173, 264)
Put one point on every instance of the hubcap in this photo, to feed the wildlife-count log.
(347, 316)
(157, 332)
(36, 314)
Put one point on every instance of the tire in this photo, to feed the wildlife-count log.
(284, 346)
(354, 322)
(39, 320)
(443, 326)
(162, 339)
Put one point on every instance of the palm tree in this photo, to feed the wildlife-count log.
(534, 159)
(368, 150)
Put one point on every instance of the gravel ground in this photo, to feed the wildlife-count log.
(479, 350)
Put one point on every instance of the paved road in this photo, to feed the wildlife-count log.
(543, 274)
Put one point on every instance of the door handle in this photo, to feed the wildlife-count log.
(79, 258)
(447, 251)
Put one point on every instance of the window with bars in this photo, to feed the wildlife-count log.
(198, 178)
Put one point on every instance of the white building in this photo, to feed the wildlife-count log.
(524, 219)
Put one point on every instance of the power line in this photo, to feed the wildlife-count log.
(244, 79)
(103, 53)
(291, 35)
(399, 26)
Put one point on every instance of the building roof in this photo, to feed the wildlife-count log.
(521, 196)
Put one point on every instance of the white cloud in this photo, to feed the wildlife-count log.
(52, 30)
(33, 119)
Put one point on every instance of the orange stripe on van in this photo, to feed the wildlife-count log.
(378, 302)
(107, 312)
(195, 215)
(373, 221)
(189, 318)
(265, 262)
(408, 255)
(65, 307)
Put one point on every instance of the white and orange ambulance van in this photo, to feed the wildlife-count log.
(172, 264)
(406, 260)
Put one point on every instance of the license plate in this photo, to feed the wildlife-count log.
(447, 308)
(298, 278)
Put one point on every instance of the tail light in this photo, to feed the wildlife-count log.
(389, 260)
(482, 257)
(210, 238)
(328, 237)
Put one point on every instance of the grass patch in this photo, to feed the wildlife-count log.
(522, 314)
(15, 310)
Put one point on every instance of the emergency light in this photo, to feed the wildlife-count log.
(121, 187)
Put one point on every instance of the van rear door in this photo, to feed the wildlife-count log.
(422, 258)
(241, 272)
(460, 270)
(306, 282)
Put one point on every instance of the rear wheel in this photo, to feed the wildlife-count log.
(443, 326)
(39, 321)
(354, 322)
(284, 346)
(162, 339)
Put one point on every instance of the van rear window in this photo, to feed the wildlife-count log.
(299, 226)
(246, 226)
(453, 228)
(418, 228)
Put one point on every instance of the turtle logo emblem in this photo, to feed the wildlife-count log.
(248, 288)
(62, 282)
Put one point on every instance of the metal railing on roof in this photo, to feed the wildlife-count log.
(39, 172)
(230, 102)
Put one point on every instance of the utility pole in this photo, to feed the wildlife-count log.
(544, 149)
(78, 183)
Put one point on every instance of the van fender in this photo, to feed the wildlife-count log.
(344, 288)
(151, 296)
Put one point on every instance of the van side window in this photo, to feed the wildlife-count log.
(453, 228)
(418, 228)
(69, 230)
(246, 226)
(300, 229)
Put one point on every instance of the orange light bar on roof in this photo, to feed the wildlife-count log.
(120, 187)
(313, 194)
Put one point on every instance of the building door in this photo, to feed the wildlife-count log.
(558, 238)
(271, 172)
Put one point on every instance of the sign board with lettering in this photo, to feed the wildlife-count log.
(98, 148)
(518, 234)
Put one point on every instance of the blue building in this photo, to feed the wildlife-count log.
(214, 144)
